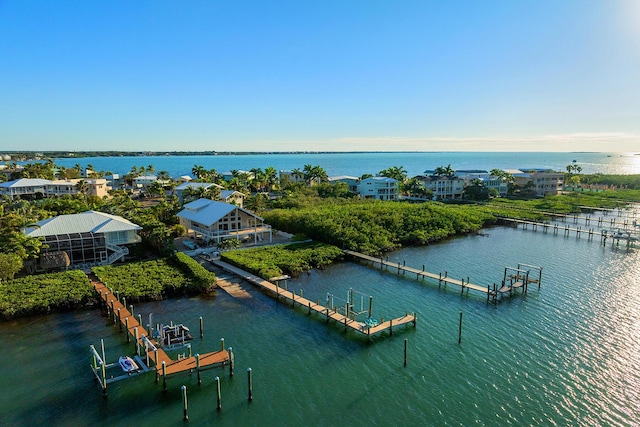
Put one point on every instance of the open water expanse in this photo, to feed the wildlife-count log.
(567, 354)
(357, 164)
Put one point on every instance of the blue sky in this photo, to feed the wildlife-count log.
(326, 75)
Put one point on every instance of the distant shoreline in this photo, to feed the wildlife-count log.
(43, 155)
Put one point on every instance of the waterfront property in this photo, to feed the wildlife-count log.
(213, 221)
(146, 345)
(35, 188)
(516, 279)
(82, 240)
(443, 187)
(543, 181)
(343, 315)
(379, 188)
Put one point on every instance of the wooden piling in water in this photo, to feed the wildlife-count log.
(219, 395)
(250, 384)
(460, 330)
(184, 402)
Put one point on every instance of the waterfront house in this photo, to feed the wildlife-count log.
(83, 240)
(444, 187)
(213, 221)
(489, 181)
(379, 188)
(544, 181)
(35, 188)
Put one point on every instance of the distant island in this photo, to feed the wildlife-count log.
(43, 155)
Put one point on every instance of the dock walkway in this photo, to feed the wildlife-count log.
(163, 363)
(442, 279)
(326, 312)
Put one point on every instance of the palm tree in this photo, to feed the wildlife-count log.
(271, 178)
(199, 171)
(444, 171)
(83, 188)
(396, 172)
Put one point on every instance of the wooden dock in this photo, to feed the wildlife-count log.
(442, 279)
(154, 354)
(349, 322)
(615, 235)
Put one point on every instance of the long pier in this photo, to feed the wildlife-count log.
(615, 235)
(349, 322)
(442, 279)
(165, 366)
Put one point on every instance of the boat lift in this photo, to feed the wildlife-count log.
(104, 372)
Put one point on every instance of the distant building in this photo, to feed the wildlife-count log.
(82, 240)
(379, 188)
(351, 181)
(213, 221)
(443, 187)
(34, 188)
(544, 181)
(489, 181)
(191, 187)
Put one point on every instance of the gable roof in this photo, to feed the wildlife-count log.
(192, 184)
(85, 222)
(208, 212)
(25, 182)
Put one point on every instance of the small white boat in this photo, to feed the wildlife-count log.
(128, 364)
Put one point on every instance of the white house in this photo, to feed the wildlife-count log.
(443, 187)
(379, 187)
(489, 181)
(211, 220)
(544, 181)
(37, 188)
(84, 239)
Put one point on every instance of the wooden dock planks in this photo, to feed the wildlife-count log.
(217, 358)
(313, 306)
(421, 273)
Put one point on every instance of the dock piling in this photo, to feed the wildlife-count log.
(405, 352)
(460, 330)
(198, 368)
(201, 328)
(219, 395)
(230, 361)
(249, 380)
(184, 402)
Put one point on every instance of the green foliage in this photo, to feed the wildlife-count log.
(202, 280)
(373, 227)
(292, 259)
(44, 293)
(10, 264)
(145, 280)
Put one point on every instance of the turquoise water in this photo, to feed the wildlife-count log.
(357, 164)
(567, 354)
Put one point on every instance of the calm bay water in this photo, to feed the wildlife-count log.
(357, 164)
(567, 354)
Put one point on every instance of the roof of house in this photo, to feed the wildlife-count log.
(208, 212)
(192, 184)
(228, 193)
(342, 177)
(25, 182)
(85, 222)
(380, 179)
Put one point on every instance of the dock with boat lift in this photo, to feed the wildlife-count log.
(492, 292)
(348, 319)
(148, 351)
